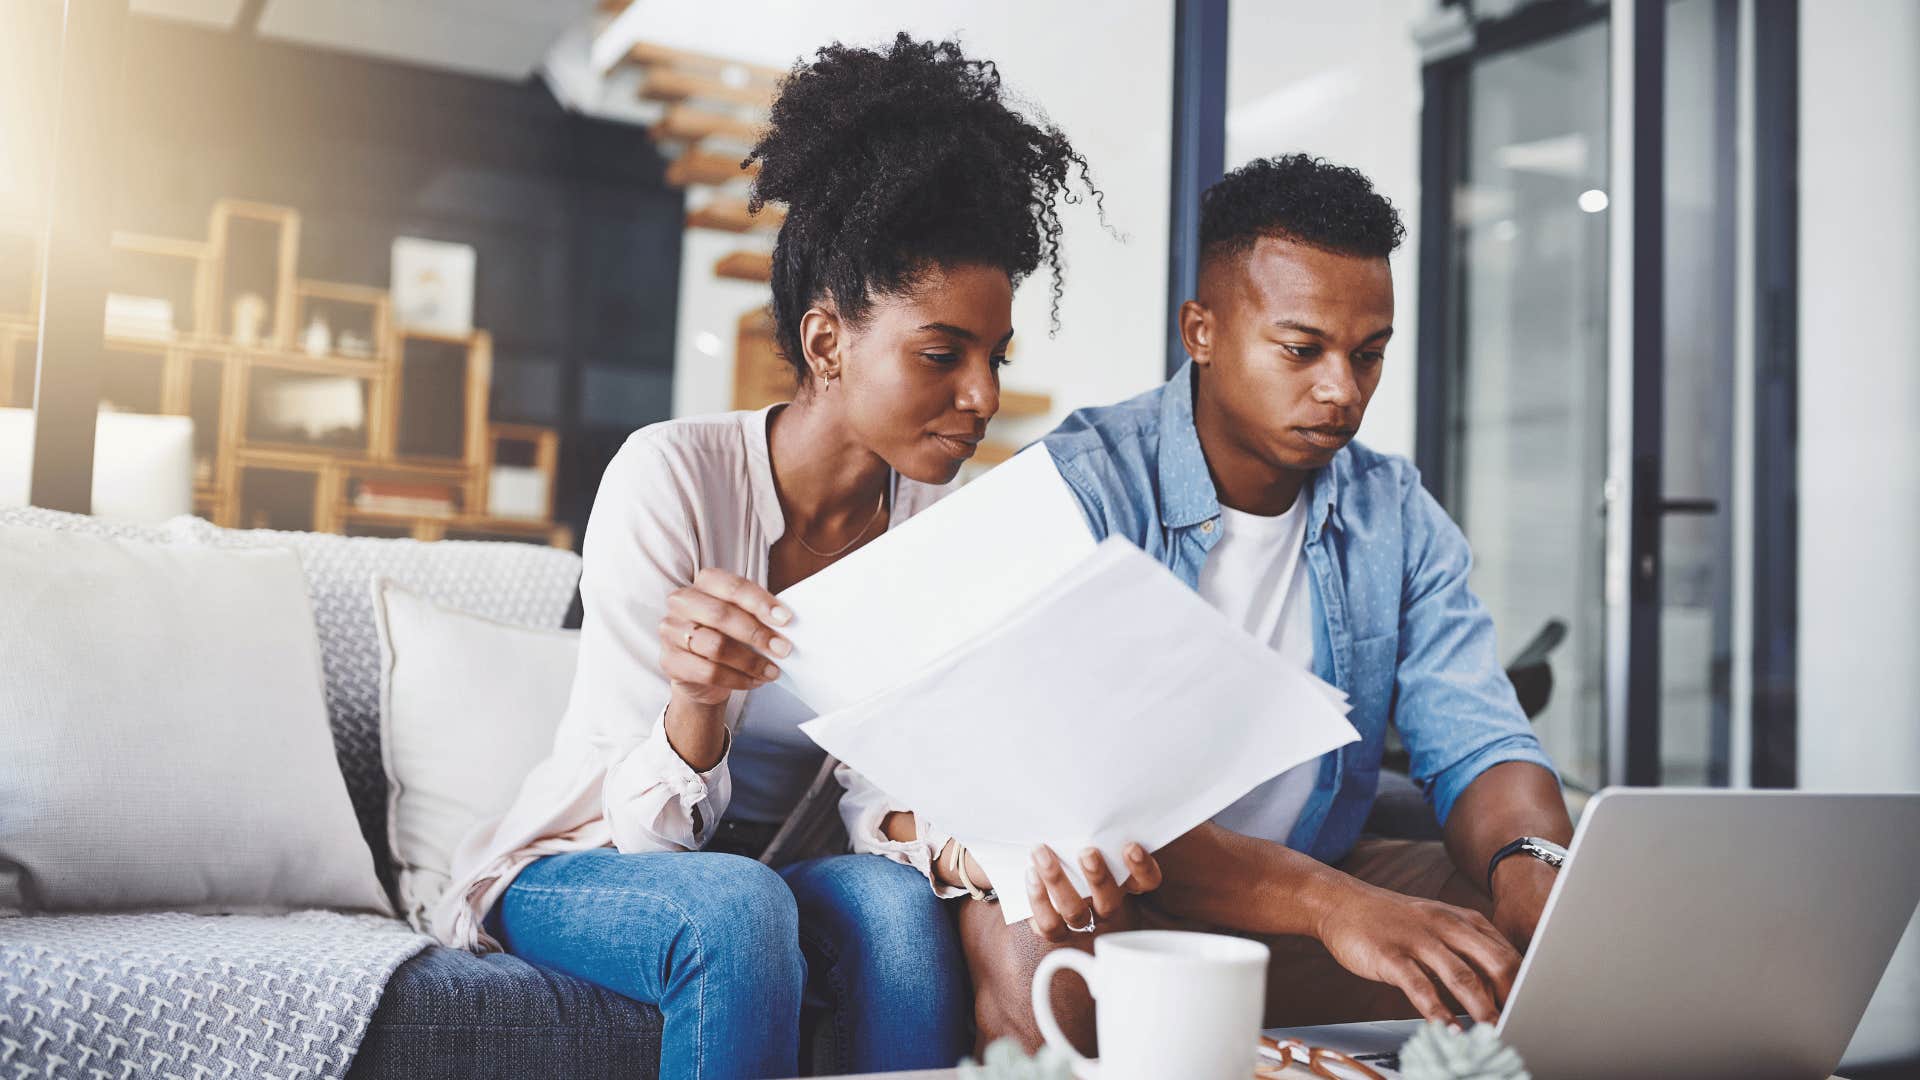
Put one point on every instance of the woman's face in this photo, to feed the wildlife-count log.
(920, 375)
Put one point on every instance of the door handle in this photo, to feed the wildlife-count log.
(1649, 507)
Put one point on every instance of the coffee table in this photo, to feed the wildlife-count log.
(1305, 1034)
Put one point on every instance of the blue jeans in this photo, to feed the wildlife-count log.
(726, 948)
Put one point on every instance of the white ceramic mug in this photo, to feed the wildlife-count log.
(1166, 1004)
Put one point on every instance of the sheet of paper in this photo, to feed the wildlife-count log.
(963, 565)
(1114, 706)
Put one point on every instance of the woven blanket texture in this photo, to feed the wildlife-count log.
(192, 997)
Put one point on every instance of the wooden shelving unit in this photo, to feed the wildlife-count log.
(745, 266)
(383, 405)
(689, 124)
(731, 215)
(710, 167)
(760, 376)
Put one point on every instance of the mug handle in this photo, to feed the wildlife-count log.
(1083, 1066)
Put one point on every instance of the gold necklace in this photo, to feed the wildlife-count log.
(843, 549)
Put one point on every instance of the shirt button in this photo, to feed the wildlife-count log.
(1206, 526)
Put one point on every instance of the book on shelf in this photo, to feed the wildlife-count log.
(144, 317)
(408, 499)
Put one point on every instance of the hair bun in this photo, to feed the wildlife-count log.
(855, 115)
(890, 159)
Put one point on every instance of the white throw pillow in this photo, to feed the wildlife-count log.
(163, 733)
(468, 707)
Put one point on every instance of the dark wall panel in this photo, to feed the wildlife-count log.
(577, 235)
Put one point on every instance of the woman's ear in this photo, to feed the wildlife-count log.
(821, 342)
(1196, 331)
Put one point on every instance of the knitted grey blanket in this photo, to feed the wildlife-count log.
(192, 997)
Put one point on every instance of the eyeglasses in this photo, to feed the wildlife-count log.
(1283, 1054)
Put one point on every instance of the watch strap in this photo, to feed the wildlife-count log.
(1545, 850)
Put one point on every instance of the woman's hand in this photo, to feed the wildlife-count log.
(1058, 907)
(716, 638)
(1422, 947)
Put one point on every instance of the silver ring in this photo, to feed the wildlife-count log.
(1087, 929)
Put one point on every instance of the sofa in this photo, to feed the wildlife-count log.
(444, 1012)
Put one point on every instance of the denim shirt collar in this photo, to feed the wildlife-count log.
(1182, 505)
(1186, 505)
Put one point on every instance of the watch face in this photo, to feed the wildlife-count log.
(1548, 851)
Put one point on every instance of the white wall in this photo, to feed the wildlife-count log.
(1859, 450)
(1338, 80)
(1104, 76)
(1341, 81)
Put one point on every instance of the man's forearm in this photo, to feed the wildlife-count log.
(1223, 878)
(1508, 801)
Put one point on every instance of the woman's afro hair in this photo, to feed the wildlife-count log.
(893, 161)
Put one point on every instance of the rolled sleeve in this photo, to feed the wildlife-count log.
(1445, 787)
(1454, 707)
(864, 809)
(655, 801)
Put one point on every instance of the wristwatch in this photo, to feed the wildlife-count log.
(1545, 850)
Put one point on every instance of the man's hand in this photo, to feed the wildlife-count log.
(1520, 888)
(1421, 947)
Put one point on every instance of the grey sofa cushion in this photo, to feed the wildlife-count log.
(448, 1013)
(515, 583)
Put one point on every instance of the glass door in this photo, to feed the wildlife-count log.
(1700, 380)
(1523, 393)
(1587, 397)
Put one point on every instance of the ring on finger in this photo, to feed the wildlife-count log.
(1087, 929)
(690, 633)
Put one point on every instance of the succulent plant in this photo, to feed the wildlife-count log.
(1005, 1060)
(1437, 1052)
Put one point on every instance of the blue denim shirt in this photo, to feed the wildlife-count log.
(1395, 625)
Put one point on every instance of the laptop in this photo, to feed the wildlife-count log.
(1703, 933)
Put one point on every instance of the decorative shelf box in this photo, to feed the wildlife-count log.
(255, 250)
(159, 268)
(433, 373)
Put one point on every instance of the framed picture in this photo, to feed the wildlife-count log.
(433, 285)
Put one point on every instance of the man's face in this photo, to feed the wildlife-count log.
(1290, 341)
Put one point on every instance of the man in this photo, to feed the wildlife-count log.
(1241, 476)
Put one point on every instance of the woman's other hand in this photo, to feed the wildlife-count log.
(1058, 908)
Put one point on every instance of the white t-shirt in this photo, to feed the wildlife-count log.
(1256, 575)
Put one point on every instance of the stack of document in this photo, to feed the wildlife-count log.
(988, 665)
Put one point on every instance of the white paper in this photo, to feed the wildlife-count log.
(963, 565)
(1114, 706)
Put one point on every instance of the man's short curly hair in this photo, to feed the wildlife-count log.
(892, 161)
(1300, 198)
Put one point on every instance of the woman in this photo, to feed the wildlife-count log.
(916, 201)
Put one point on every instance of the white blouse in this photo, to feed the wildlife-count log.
(679, 497)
